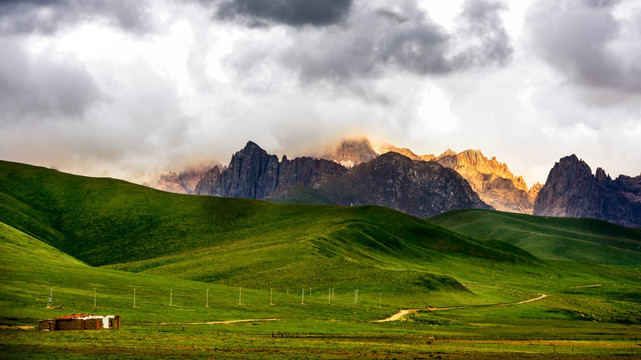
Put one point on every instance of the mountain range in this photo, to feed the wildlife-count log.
(392, 180)
(355, 172)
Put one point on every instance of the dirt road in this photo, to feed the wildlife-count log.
(224, 322)
(399, 315)
(429, 308)
(403, 312)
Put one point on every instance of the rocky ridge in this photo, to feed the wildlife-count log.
(492, 180)
(183, 182)
(572, 191)
(385, 148)
(351, 152)
(253, 173)
(270, 178)
(416, 187)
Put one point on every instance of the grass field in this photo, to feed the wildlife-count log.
(586, 240)
(125, 237)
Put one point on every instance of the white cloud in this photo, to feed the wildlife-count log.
(436, 118)
(183, 86)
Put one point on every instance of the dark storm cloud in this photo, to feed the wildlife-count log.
(375, 39)
(482, 28)
(579, 38)
(289, 12)
(48, 16)
(35, 87)
(372, 41)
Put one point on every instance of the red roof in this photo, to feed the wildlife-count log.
(73, 316)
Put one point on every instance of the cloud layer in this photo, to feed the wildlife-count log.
(50, 16)
(131, 88)
(376, 39)
(289, 12)
(588, 43)
(38, 87)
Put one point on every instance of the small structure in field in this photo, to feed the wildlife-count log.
(81, 322)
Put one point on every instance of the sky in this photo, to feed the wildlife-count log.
(131, 89)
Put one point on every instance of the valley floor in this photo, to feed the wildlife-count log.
(259, 340)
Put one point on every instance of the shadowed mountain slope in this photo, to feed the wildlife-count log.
(571, 190)
(395, 181)
(579, 239)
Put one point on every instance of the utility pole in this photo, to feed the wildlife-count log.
(240, 295)
(356, 298)
(303, 294)
(207, 301)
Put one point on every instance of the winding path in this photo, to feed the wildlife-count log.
(223, 322)
(402, 312)
(399, 315)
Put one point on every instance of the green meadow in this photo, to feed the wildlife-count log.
(583, 240)
(98, 241)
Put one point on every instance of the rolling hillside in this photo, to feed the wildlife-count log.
(585, 240)
(106, 222)
(31, 270)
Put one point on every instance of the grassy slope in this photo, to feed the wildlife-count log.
(299, 194)
(586, 240)
(30, 268)
(237, 241)
(357, 239)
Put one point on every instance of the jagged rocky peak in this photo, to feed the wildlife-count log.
(448, 152)
(491, 179)
(519, 183)
(534, 190)
(351, 152)
(253, 173)
(571, 190)
(251, 151)
(208, 181)
(571, 164)
(183, 182)
(169, 182)
(602, 178)
(385, 148)
(475, 160)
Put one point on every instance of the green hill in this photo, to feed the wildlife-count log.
(585, 240)
(106, 222)
(31, 270)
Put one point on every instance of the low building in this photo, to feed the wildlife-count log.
(81, 322)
